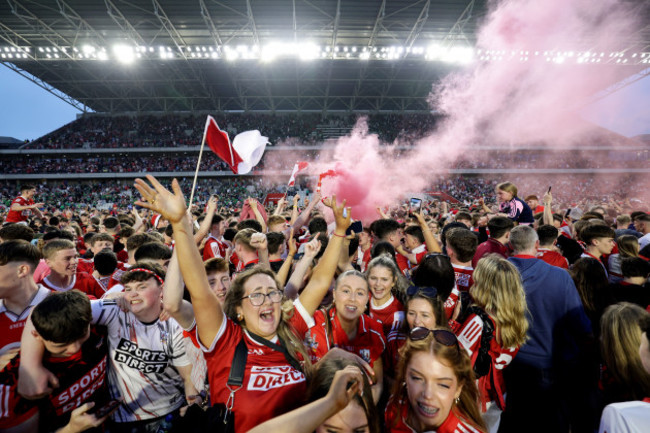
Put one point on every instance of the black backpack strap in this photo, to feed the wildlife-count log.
(278, 347)
(238, 367)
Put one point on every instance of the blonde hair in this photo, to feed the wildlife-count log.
(508, 187)
(628, 246)
(244, 238)
(620, 340)
(451, 356)
(499, 291)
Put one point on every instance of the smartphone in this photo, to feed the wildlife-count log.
(355, 227)
(416, 205)
(107, 408)
(549, 190)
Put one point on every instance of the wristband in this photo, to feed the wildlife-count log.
(340, 236)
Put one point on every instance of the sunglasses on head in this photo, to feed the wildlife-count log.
(429, 292)
(442, 336)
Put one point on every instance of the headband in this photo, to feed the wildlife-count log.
(147, 271)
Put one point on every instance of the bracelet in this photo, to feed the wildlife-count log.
(341, 236)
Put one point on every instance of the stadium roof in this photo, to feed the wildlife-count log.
(250, 55)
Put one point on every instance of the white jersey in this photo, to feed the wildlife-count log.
(627, 417)
(142, 357)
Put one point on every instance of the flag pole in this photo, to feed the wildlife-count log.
(198, 164)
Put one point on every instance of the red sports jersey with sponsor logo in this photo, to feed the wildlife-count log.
(397, 414)
(369, 342)
(214, 248)
(12, 326)
(271, 385)
(491, 386)
(82, 378)
(81, 281)
(552, 258)
(463, 277)
(17, 216)
(391, 315)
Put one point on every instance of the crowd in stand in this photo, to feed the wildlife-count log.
(512, 310)
(175, 130)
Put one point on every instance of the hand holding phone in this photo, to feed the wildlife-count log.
(107, 408)
(415, 205)
(355, 227)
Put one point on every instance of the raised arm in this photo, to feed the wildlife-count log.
(295, 281)
(280, 206)
(171, 205)
(294, 209)
(430, 241)
(258, 216)
(548, 210)
(204, 228)
(173, 302)
(283, 273)
(304, 215)
(139, 224)
(323, 273)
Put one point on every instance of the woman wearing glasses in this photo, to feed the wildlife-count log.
(494, 330)
(435, 388)
(273, 382)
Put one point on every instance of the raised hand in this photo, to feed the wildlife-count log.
(312, 248)
(291, 243)
(170, 204)
(346, 384)
(258, 241)
(342, 215)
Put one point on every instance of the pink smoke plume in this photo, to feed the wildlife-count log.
(504, 102)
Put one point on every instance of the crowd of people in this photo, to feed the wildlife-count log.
(181, 130)
(509, 310)
(277, 159)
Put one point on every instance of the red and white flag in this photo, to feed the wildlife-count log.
(300, 166)
(242, 154)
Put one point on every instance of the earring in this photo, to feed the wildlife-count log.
(239, 317)
(457, 400)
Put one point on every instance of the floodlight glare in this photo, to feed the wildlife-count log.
(124, 53)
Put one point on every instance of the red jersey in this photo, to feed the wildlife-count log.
(451, 302)
(397, 413)
(366, 260)
(214, 248)
(492, 387)
(391, 314)
(271, 386)
(12, 325)
(82, 378)
(491, 246)
(553, 258)
(463, 277)
(420, 253)
(394, 342)
(17, 216)
(402, 263)
(81, 281)
(85, 265)
(369, 342)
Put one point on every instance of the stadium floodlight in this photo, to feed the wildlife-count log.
(88, 49)
(102, 55)
(364, 55)
(124, 53)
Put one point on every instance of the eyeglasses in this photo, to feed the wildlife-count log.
(258, 298)
(429, 292)
(442, 336)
